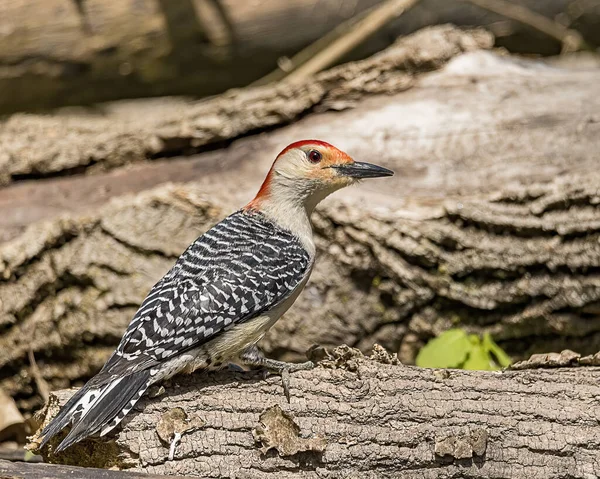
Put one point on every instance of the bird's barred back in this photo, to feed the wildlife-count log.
(242, 267)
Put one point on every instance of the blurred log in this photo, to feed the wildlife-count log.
(65, 52)
(39, 146)
(491, 222)
(355, 415)
(60, 52)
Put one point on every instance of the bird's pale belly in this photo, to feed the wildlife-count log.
(228, 346)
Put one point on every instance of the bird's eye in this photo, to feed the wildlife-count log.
(315, 156)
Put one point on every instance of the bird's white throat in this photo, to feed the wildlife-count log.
(290, 204)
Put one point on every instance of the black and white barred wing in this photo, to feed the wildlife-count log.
(239, 269)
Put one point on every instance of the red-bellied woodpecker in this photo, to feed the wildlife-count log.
(223, 293)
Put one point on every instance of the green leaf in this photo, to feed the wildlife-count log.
(479, 359)
(496, 351)
(448, 350)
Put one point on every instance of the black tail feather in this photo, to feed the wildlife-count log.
(63, 418)
(92, 408)
(111, 402)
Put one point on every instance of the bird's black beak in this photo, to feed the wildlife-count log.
(362, 170)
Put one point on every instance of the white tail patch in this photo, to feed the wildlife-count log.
(91, 397)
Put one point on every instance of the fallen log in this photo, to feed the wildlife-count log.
(355, 416)
(85, 52)
(73, 142)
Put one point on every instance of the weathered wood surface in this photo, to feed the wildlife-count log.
(491, 222)
(360, 417)
(60, 52)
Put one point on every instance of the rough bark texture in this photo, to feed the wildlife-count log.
(79, 51)
(491, 222)
(357, 417)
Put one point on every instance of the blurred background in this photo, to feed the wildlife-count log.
(129, 127)
(74, 52)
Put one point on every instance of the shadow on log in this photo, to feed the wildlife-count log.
(24, 470)
(360, 416)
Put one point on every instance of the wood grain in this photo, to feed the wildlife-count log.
(377, 420)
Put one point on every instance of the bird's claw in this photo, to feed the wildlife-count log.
(254, 357)
(284, 371)
(292, 368)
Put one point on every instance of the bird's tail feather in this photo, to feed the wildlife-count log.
(74, 407)
(95, 408)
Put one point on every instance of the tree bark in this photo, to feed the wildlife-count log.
(354, 416)
(491, 222)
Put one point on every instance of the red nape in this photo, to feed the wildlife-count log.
(262, 193)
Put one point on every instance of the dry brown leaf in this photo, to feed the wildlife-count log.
(278, 430)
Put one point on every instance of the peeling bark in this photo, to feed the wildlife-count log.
(375, 419)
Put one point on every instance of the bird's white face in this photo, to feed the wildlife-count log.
(311, 168)
(308, 171)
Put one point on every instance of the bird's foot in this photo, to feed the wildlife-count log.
(254, 357)
(291, 368)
